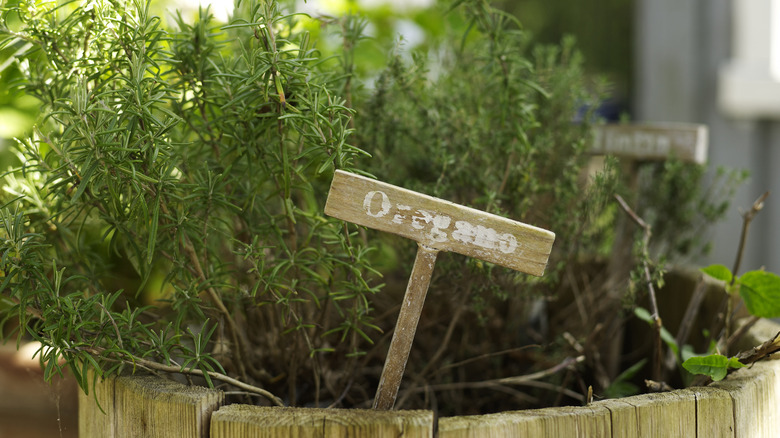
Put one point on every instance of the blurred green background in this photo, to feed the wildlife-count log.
(602, 28)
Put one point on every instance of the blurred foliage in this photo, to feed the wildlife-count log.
(604, 30)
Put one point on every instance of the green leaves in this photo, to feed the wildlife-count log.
(188, 166)
(718, 272)
(716, 366)
(760, 290)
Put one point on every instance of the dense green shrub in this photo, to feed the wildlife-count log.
(168, 210)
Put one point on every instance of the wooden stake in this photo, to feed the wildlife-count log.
(405, 328)
(436, 225)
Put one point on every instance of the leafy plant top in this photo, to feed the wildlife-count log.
(186, 168)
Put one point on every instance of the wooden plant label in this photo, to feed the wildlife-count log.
(436, 225)
(648, 142)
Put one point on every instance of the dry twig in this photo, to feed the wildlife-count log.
(156, 366)
(657, 324)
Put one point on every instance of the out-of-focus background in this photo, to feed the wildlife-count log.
(715, 62)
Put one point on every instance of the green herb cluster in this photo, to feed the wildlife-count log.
(168, 209)
(185, 165)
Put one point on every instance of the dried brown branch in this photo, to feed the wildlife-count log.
(524, 380)
(757, 353)
(747, 219)
(657, 324)
(156, 366)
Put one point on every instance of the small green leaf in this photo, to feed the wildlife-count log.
(718, 272)
(735, 363)
(761, 292)
(643, 314)
(716, 365)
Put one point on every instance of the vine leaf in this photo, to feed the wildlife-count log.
(761, 292)
(718, 272)
(715, 365)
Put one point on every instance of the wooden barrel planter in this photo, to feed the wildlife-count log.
(743, 405)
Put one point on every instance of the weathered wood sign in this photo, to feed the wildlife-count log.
(635, 144)
(436, 225)
(652, 141)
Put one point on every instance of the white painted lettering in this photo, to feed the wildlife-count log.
(465, 232)
(385, 204)
(423, 216)
(437, 233)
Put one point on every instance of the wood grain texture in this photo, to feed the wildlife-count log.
(714, 412)
(654, 415)
(243, 421)
(149, 407)
(587, 421)
(405, 328)
(745, 405)
(755, 392)
(652, 141)
(439, 224)
(92, 422)
(146, 406)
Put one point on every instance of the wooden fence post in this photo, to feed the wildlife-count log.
(147, 406)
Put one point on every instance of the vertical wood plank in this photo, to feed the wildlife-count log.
(584, 421)
(704, 411)
(755, 391)
(93, 422)
(714, 412)
(244, 421)
(147, 406)
(623, 417)
(654, 415)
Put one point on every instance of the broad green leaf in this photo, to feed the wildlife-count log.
(718, 272)
(761, 292)
(716, 365)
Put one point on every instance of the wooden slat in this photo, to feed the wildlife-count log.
(149, 407)
(706, 411)
(92, 422)
(742, 406)
(652, 141)
(665, 414)
(439, 224)
(587, 421)
(680, 413)
(157, 408)
(714, 412)
(244, 421)
(755, 391)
